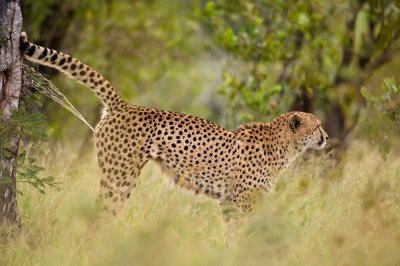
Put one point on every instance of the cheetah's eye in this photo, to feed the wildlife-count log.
(295, 123)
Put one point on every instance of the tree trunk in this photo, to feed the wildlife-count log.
(10, 92)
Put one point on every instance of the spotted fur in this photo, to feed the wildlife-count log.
(227, 165)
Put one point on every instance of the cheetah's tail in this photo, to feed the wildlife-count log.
(74, 69)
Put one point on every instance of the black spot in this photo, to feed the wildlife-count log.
(82, 73)
(54, 58)
(24, 45)
(73, 66)
(44, 53)
(62, 61)
(31, 50)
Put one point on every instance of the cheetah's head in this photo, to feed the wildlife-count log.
(305, 131)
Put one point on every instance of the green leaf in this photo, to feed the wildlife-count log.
(230, 38)
(365, 93)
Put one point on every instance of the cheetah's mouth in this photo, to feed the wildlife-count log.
(322, 141)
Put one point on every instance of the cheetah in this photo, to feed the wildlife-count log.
(226, 165)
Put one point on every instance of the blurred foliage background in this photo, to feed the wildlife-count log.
(229, 61)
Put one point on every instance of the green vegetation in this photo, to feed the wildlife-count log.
(30, 127)
(381, 123)
(230, 62)
(289, 50)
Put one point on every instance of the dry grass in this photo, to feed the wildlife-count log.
(319, 214)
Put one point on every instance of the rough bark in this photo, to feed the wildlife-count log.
(10, 92)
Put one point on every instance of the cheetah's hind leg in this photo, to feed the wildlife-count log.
(116, 186)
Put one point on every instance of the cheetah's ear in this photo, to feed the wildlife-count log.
(295, 122)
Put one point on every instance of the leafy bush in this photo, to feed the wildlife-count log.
(28, 126)
(382, 119)
(311, 56)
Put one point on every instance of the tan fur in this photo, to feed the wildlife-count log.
(227, 165)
